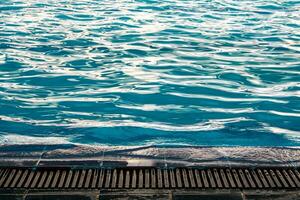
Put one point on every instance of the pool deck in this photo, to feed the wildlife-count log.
(60, 173)
(150, 194)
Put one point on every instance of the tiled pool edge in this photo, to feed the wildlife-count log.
(150, 156)
(277, 169)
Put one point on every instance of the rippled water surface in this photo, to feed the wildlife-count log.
(140, 72)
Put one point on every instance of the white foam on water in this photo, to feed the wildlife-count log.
(14, 139)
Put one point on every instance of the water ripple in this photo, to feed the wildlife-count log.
(135, 72)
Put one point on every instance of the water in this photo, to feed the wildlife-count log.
(148, 72)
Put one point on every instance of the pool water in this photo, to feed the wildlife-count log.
(150, 72)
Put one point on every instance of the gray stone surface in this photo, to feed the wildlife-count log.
(47, 155)
(151, 195)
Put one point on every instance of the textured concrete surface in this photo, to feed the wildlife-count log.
(150, 194)
(146, 156)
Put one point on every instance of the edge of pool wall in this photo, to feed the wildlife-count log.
(34, 155)
(48, 172)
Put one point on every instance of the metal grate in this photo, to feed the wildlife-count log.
(152, 178)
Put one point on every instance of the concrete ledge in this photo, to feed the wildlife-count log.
(152, 195)
(147, 156)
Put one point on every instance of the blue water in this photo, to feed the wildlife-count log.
(142, 72)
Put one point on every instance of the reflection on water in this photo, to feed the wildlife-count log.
(136, 72)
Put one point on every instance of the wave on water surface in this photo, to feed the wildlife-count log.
(148, 72)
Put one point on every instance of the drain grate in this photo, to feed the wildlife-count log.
(152, 178)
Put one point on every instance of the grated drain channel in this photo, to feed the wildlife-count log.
(150, 178)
